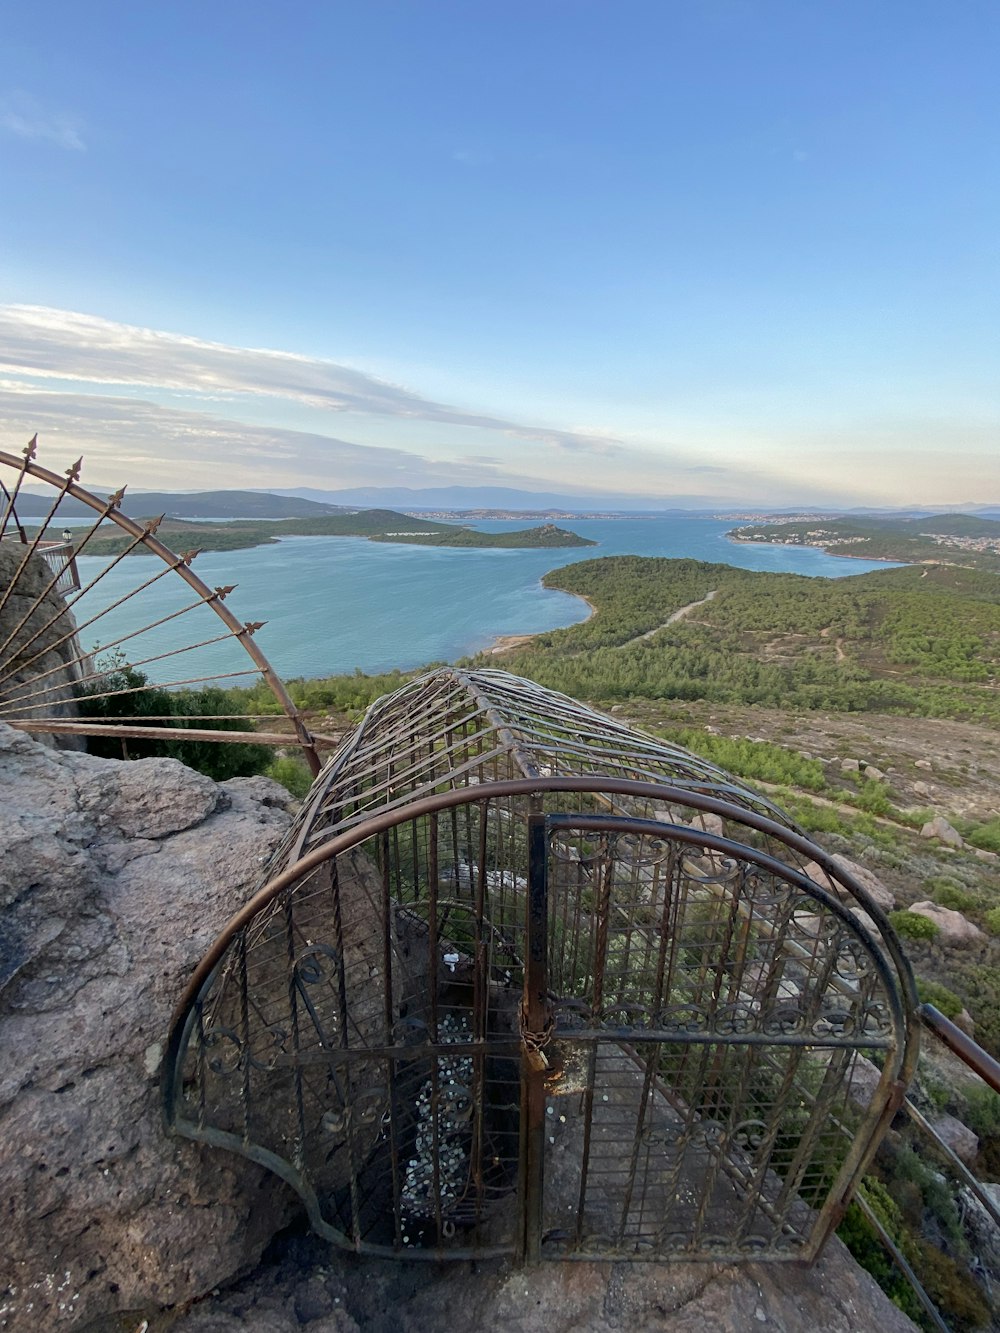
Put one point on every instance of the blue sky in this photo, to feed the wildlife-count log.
(738, 252)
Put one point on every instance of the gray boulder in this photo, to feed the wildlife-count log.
(115, 879)
(953, 927)
(956, 1136)
(939, 828)
(873, 886)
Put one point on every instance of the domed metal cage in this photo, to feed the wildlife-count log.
(525, 981)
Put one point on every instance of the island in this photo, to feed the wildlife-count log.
(383, 525)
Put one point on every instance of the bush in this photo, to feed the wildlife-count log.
(122, 695)
(985, 836)
(949, 892)
(292, 773)
(913, 926)
(992, 920)
(932, 992)
(982, 1111)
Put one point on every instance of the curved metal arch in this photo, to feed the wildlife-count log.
(883, 950)
(516, 718)
(141, 535)
(527, 787)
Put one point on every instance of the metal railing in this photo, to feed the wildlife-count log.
(987, 1070)
(61, 559)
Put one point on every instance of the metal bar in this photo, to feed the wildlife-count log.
(157, 548)
(58, 727)
(954, 1161)
(978, 1060)
(28, 454)
(53, 583)
(535, 1024)
(71, 602)
(62, 485)
(899, 1259)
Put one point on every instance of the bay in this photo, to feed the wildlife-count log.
(334, 604)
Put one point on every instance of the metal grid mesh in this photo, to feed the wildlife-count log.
(498, 997)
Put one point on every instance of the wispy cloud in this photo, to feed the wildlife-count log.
(24, 117)
(177, 449)
(44, 343)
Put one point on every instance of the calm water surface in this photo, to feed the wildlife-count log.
(336, 603)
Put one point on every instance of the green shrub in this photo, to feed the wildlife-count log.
(121, 694)
(292, 773)
(992, 920)
(982, 1111)
(932, 992)
(913, 926)
(980, 984)
(871, 796)
(864, 1244)
(985, 836)
(949, 892)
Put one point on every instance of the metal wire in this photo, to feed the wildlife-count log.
(524, 980)
(52, 619)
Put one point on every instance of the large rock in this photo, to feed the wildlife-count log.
(40, 650)
(114, 880)
(953, 927)
(939, 828)
(956, 1136)
(872, 885)
(835, 1296)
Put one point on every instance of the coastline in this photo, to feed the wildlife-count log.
(836, 555)
(506, 643)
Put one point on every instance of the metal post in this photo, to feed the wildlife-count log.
(534, 1022)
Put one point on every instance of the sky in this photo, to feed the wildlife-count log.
(706, 251)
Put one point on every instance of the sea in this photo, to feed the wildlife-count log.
(340, 604)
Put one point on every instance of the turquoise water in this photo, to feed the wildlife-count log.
(336, 603)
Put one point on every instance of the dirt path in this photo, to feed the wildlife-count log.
(679, 614)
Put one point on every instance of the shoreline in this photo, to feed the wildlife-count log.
(835, 555)
(506, 643)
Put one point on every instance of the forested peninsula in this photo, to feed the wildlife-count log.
(383, 525)
(957, 539)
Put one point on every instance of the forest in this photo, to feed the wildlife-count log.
(924, 641)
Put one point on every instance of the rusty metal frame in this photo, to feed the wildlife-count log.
(426, 782)
(42, 709)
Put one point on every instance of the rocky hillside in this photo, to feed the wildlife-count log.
(115, 878)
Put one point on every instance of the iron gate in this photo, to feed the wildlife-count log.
(502, 1021)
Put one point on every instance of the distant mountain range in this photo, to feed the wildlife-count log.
(504, 497)
(199, 504)
(497, 497)
(310, 502)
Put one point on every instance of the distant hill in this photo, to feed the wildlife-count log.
(502, 497)
(199, 504)
(375, 524)
(958, 539)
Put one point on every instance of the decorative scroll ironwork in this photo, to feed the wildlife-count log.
(58, 601)
(500, 998)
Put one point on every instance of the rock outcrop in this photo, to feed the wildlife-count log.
(873, 886)
(41, 649)
(114, 880)
(346, 1295)
(953, 927)
(939, 828)
(115, 877)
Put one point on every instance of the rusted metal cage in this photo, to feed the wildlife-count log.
(524, 981)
